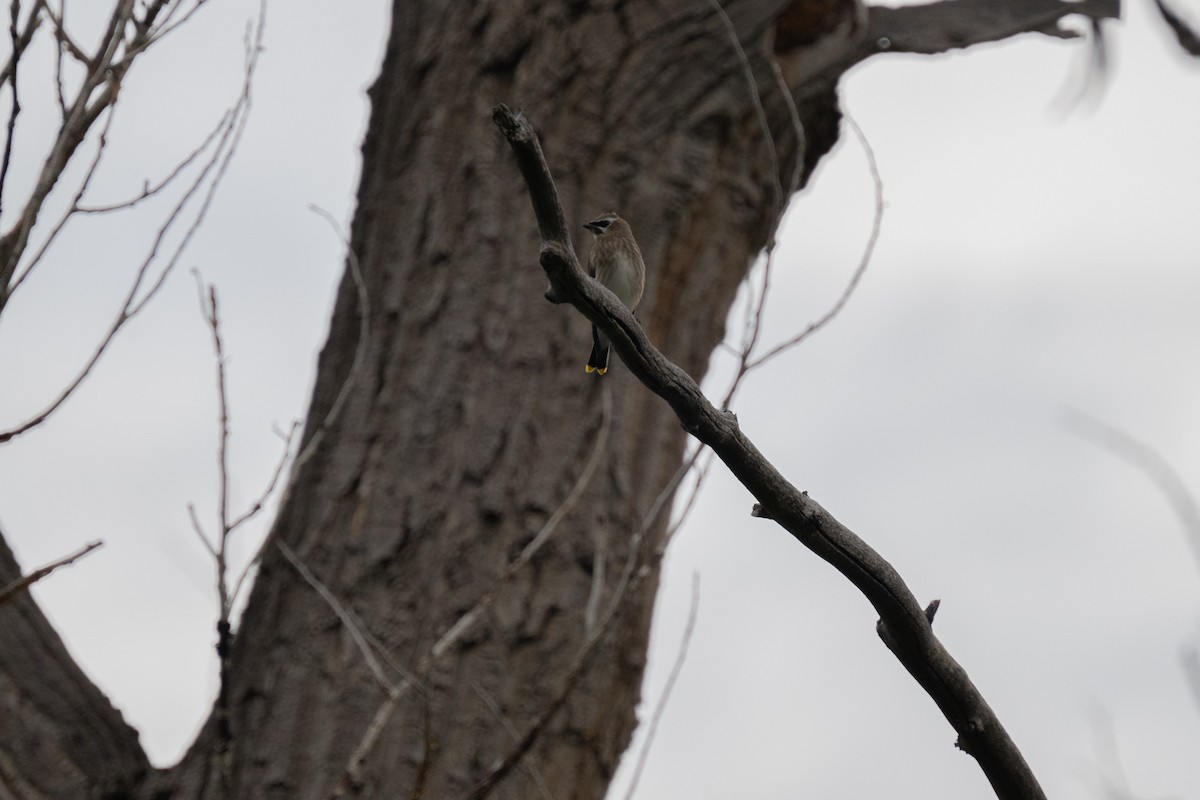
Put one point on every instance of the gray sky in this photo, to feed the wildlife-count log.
(1034, 258)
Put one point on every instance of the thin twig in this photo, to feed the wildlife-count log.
(676, 668)
(348, 620)
(15, 37)
(531, 769)
(630, 575)
(859, 271)
(69, 212)
(754, 319)
(199, 530)
(21, 584)
(260, 503)
(150, 190)
(343, 395)
(32, 23)
(759, 111)
(61, 41)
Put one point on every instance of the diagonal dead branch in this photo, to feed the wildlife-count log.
(980, 733)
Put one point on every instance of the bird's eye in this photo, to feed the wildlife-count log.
(603, 223)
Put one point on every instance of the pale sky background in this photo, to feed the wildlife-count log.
(1034, 257)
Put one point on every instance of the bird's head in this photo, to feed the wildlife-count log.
(604, 223)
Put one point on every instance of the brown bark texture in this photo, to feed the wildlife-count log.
(471, 417)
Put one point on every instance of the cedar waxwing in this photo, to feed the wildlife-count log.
(617, 263)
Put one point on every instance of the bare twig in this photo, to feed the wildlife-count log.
(531, 769)
(343, 614)
(150, 190)
(32, 23)
(676, 668)
(630, 575)
(208, 306)
(69, 212)
(759, 112)
(859, 271)
(97, 92)
(260, 503)
(317, 435)
(199, 530)
(754, 320)
(24, 582)
(18, 42)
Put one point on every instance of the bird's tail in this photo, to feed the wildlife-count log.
(598, 360)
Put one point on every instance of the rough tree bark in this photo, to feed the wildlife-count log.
(472, 417)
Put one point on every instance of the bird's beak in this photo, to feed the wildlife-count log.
(593, 227)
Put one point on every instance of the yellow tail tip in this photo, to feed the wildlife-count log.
(589, 369)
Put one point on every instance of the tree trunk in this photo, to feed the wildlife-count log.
(471, 417)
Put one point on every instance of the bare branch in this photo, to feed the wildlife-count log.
(52, 236)
(18, 40)
(952, 24)
(918, 649)
(260, 503)
(150, 190)
(759, 112)
(343, 614)
(859, 271)
(199, 530)
(208, 307)
(216, 167)
(64, 39)
(630, 576)
(318, 434)
(32, 23)
(23, 583)
(1187, 37)
(530, 769)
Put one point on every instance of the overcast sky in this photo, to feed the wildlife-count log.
(1036, 256)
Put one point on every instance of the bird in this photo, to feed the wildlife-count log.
(617, 263)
